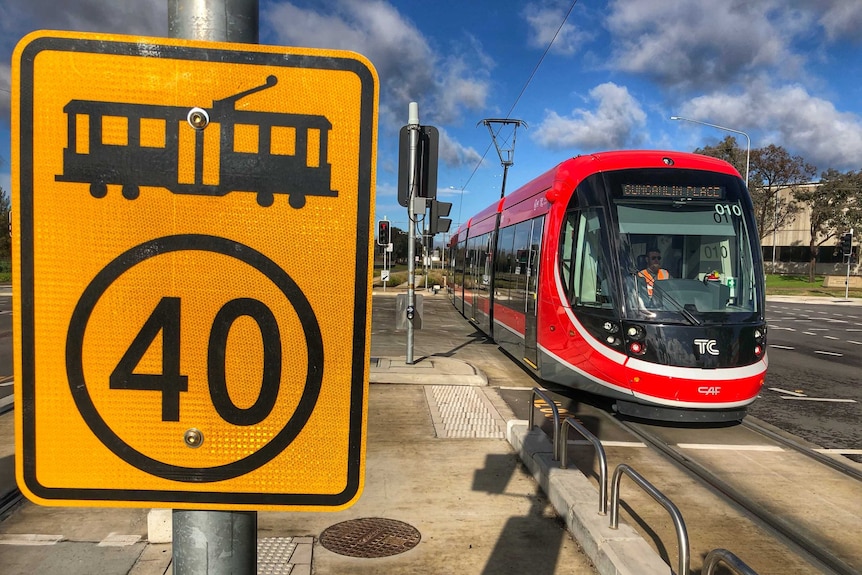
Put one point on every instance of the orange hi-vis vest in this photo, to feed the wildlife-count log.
(662, 275)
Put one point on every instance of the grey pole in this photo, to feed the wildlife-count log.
(413, 127)
(214, 542)
(216, 20)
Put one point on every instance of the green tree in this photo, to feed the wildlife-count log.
(399, 244)
(774, 170)
(727, 150)
(834, 209)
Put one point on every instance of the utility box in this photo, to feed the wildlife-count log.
(401, 312)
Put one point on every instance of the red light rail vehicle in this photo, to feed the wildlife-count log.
(635, 275)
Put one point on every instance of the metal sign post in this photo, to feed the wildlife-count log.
(214, 542)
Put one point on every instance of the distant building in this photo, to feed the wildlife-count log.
(792, 254)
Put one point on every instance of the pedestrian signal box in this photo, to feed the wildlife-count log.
(847, 243)
(176, 342)
(384, 236)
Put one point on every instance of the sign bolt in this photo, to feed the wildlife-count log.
(198, 118)
(193, 437)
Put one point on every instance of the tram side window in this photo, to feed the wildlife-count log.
(505, 266)
(478, 273)
(460, 262)
(584, 269)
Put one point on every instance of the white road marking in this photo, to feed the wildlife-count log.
(30, 539)
(781, 346)
(119, 540)
(825, 399)
(840, 451)
(829, 337)
(728, 447)
(779, 390)
(607, 443)
(854, 342)
(832, 353)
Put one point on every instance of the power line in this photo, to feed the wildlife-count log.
(518, 99)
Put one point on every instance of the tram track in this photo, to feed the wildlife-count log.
(795, 537)
(805, 450)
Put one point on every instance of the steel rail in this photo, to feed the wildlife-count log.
(822, 558)
(804, 449)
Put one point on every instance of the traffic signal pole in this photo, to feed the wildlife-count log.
(849, 261)
(214, 542)
(413, 128)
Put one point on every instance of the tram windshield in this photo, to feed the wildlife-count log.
(685, 246)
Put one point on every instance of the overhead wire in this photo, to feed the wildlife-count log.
(515, 103)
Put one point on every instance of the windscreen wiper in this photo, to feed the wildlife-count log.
(665, 295)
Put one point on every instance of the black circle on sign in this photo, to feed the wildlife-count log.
(206, 243)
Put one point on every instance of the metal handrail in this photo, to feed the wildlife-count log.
(679, 524)
(537, 391)
(600, 452)
(717, 556)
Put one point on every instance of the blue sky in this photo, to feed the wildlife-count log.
(786, 72)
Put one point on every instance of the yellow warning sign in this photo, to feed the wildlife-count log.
(192, 256)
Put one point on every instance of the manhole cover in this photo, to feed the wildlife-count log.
(370, 537)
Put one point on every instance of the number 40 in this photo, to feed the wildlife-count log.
(170, 382)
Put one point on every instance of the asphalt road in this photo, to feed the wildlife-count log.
(813, 383)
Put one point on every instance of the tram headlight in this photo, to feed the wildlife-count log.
(759, 334)
(636, 332)
(611, 330)
(637, 347)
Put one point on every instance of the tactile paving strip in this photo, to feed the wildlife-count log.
(463, 411)
(280, 555)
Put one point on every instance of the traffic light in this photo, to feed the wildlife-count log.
(439, 222)
(847, 243)
(383, 233)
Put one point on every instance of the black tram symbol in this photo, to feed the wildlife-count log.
(107, 145)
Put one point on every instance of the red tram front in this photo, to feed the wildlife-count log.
(633, 275)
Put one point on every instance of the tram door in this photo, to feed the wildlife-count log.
(476, 255)
(531, 300)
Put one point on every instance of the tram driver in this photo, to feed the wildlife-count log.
(653, 272)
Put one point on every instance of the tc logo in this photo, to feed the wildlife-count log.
(709, 346)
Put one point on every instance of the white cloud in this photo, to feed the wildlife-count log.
(454, 154)
(544, 23)
(841, 19)
(409, 68)
(791, 117)
(613, 123)
(694, 44)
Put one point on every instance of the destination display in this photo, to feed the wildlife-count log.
(673, 191)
